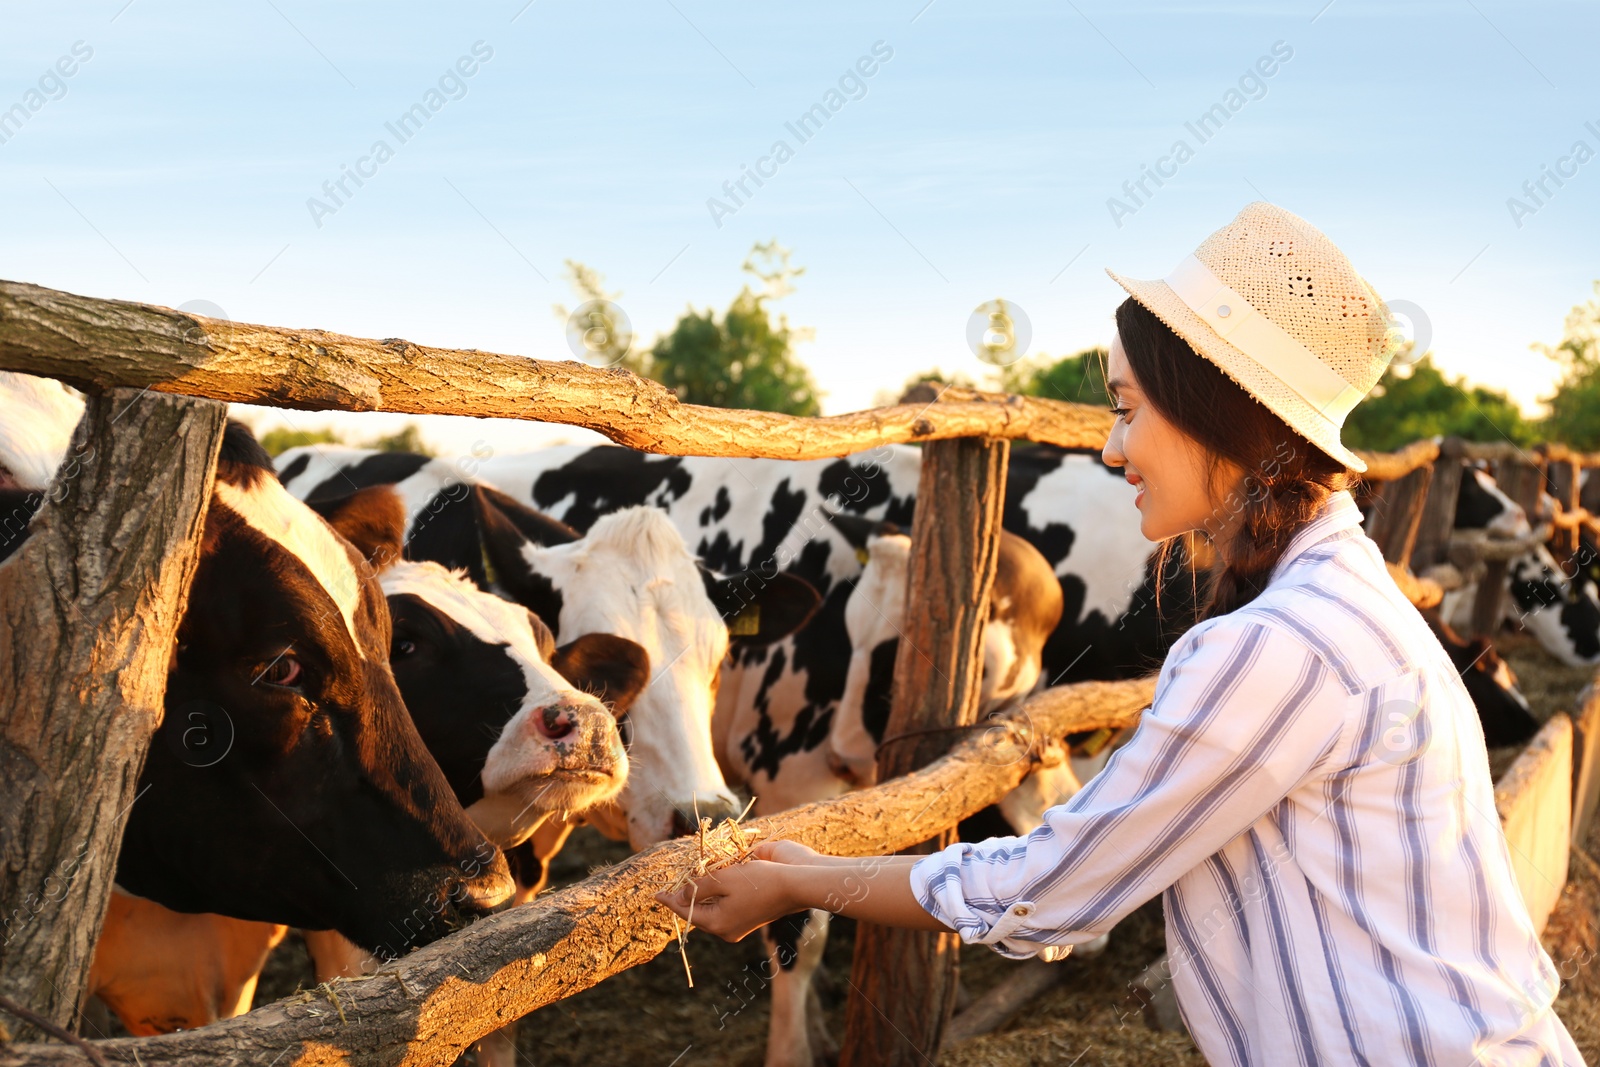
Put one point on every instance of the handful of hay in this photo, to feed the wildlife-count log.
(721, 847)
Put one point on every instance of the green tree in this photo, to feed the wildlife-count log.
(1574, 415)
(279, 441)
(745, 360)
(1418, 401)
(1080, 378)
(406, 439)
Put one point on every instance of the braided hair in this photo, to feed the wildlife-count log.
(1286, 478)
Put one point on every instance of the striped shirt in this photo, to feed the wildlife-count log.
(1311, 792)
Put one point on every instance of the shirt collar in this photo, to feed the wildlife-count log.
(1337, 513)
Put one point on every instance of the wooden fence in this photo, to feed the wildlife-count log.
(429, 1006)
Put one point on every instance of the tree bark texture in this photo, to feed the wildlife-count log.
(90, 605)
(903, 982)
(426, 1008)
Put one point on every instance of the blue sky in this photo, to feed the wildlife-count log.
(177, 161)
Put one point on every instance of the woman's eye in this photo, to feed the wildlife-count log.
(402, 648)
(1117, 410)
(283, 671)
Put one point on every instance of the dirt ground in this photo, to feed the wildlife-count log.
(648, 1016)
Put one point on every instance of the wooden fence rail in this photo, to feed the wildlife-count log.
(102, 343)
(430, 1006)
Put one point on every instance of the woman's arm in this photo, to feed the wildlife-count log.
(786, 877)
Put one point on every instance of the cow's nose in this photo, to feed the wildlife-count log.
(714, 808)
(556, 721)
(485, 892)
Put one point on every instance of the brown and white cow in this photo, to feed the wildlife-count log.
(517, 740)
(286, 783)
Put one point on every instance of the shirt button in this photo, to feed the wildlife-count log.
(1223, 311)
(1021, 911)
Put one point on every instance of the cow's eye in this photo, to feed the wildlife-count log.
(283, 671)
(402, 648)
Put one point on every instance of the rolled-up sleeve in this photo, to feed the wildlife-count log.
(1243, 712)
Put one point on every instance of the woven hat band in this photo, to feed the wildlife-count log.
(1241, 325)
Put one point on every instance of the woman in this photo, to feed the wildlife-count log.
(1310, 788)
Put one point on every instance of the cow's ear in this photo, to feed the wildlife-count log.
(607, 666)
(535, 526)
(542, 636)
(374, 520)
(760, 610)
(858, 531)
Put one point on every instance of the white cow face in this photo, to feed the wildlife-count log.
(633, 577)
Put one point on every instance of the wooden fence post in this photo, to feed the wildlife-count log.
(1562, 476)
(1396, 512)
(1588, 491)
(903, 983)
(89, 610)
(1522, 481)
(1439, 509)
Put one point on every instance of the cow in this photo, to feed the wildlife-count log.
(1558, 603)
(283, 728)
(1024, 608)
(629, 573)
(477, 673)
(740, 515)
(748, 513)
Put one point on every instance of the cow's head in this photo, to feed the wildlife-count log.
(631, 576)
(287, 783)
(1562, 613)
(1025, 606)
(520, 728)
(1481, 505)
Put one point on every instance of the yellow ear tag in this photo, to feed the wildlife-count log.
(863, 556)
(1096, 741)
(747, 623)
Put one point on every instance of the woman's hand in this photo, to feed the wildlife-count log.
(736, 900)
(784, 877)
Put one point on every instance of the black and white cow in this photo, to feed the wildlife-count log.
(1558, 603)
(630, 574)
(522, 729)
(740, 515)
(1024, 609)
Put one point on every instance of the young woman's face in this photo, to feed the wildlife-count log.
(1168, 467)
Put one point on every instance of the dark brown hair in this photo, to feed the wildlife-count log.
(1286, 478)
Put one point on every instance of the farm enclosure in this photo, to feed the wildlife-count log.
(422, 1011)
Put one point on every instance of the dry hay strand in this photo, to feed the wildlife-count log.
(717, 849)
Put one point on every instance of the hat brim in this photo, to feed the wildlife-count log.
(1263, 386)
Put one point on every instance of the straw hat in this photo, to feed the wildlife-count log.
(1275, 304)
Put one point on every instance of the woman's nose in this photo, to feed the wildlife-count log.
(1111, 454)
